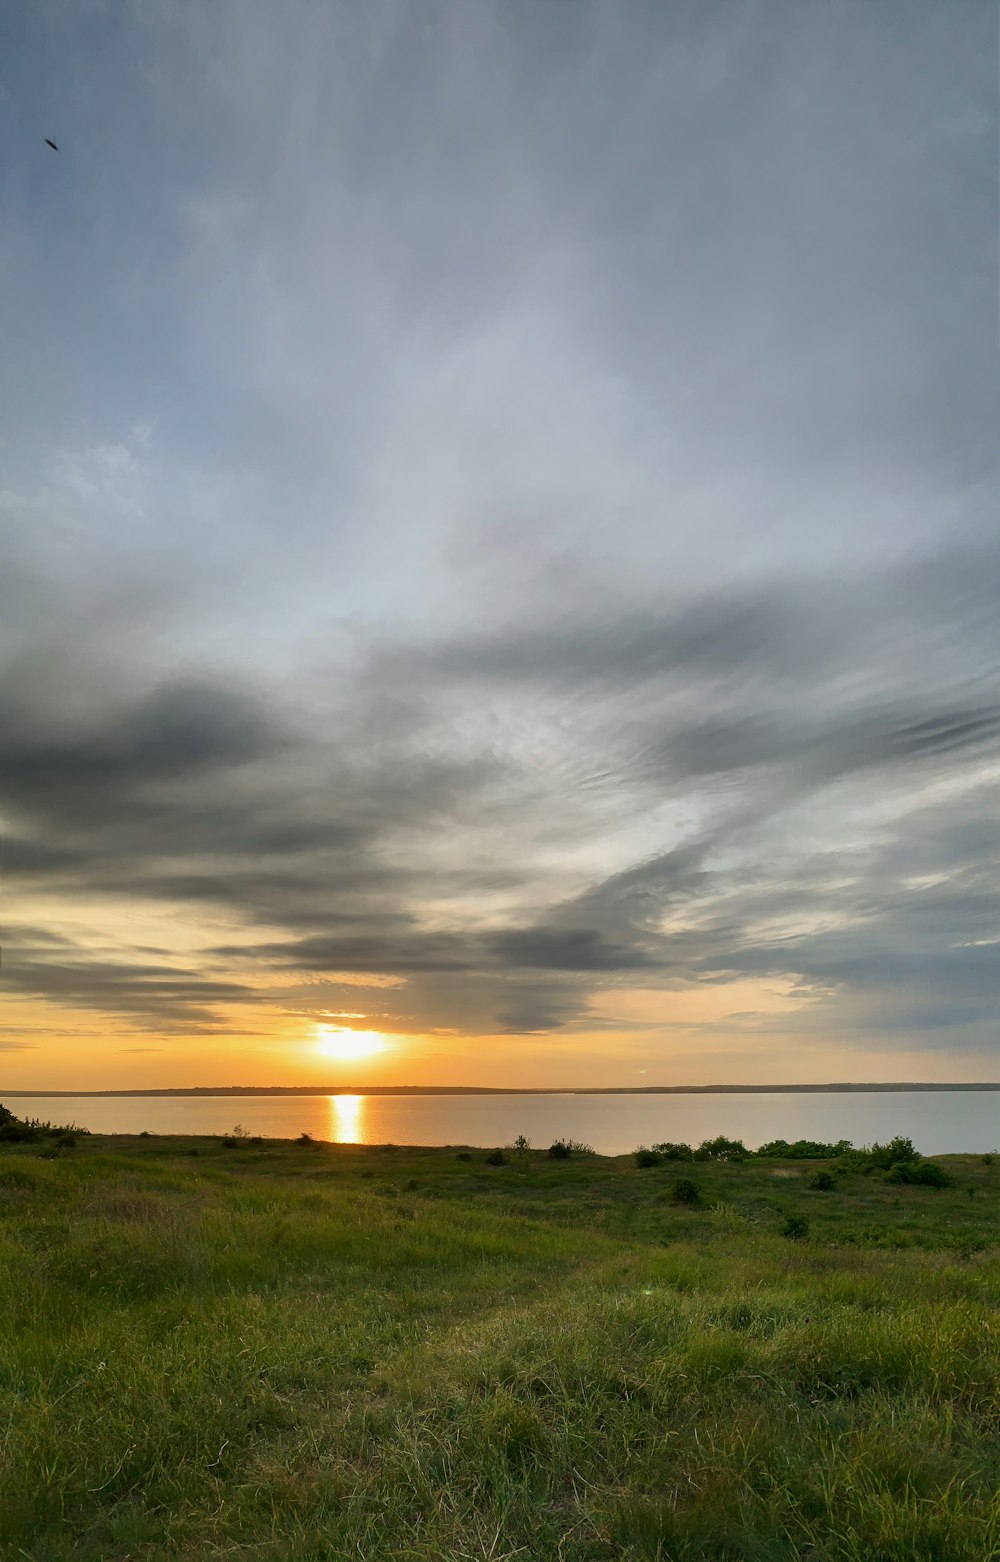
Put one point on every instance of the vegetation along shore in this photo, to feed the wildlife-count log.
(271, 1349)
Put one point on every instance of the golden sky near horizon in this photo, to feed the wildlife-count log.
(740, 1032)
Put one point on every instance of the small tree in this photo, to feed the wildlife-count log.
(522, 1152)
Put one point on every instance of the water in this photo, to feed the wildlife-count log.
(938, 1123)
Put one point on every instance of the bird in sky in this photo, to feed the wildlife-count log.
(51, 144)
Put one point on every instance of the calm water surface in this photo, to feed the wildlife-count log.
(937, 1123)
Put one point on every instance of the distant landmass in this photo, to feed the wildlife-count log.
(513, 1090)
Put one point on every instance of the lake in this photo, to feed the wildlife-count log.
(937, 1122)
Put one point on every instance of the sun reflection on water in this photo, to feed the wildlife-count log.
(347, 1119)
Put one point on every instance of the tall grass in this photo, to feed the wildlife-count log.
(284, 1352)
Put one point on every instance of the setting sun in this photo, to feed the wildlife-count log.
(348, 1046)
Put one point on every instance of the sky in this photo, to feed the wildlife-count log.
(499, 546)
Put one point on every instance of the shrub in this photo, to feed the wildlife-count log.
(795, 1228)
(521, 1150)
(821, 1182)
(66, 1141)
(16, 1130)
(645, 1157)
(925, 1174)
(803, 1150)
(894, 1153)
(852, 1161)
(674, 1152)
(560, 1150)
(463, 1155)
(721, 1149)
(305, 1138)
(684, 1191)
(496, 1158)
(881, 1157)
(987, 1160)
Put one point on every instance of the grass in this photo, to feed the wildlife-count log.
(309, 1351)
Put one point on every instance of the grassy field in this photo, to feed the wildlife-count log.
(283, 1351)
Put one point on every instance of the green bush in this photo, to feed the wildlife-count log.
(803, 1150)
(560, 1150)
(924, 1174)
(721, 1149)
(894, 1153)
(674, 1152)
(684, 1191)
(821, 1182)
(880, 1157)
(496, 1158)
(796, 1229)
(16, 1130)
(645, 1157)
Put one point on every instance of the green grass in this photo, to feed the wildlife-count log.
(305, 1352)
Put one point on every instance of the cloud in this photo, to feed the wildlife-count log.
(201, 794)
(499, 512)
(151, 996)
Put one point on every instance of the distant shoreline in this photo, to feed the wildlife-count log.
(494, 1090)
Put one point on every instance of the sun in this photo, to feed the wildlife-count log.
(348, 1046)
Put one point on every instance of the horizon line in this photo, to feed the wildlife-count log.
(831, 1086)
